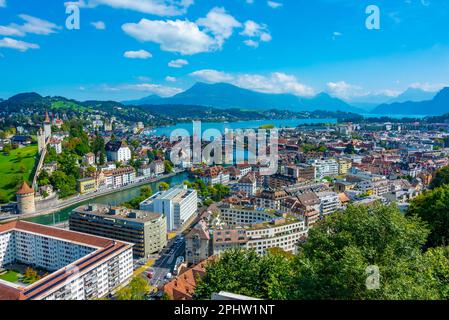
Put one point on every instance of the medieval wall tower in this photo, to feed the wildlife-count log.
(25, 199)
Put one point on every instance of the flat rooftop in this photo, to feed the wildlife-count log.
(120, 213)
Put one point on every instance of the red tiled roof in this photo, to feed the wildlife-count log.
(57, 233)
(183, 287)
(25, 189)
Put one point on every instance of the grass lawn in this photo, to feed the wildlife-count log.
(19, 163)
(11, 276)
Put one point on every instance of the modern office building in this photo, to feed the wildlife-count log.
(178, 205)
(79, 266)
(146, 230)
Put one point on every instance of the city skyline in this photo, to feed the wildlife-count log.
(126, 51)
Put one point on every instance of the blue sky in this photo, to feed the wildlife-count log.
(127, 49)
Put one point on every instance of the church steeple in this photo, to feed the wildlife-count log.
(47, 118)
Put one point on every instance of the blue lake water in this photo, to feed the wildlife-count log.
(253, 124)
(394, 116)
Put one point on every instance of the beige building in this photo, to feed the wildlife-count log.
(198, 244)
(146, 230)
(343, 166)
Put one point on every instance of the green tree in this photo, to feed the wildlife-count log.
(441, 178)
(163, 186)
(245, 272)
(332, 263)
(168, 166)
(433, 208)
(137, 289)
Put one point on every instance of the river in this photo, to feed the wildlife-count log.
(113, 199)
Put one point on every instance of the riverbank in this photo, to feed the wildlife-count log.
(61, 205)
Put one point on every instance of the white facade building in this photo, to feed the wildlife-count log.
(329, 202)
(325, 168)
(178, 204)
(81, 266)
(118, 151)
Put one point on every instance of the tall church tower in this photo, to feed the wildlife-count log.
(47, 126)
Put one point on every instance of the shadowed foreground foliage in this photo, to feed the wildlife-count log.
(332, 263)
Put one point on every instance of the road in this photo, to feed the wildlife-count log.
(166, 262)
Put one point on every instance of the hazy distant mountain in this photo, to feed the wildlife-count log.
(412, 94)
(224, 95)
(437, 106)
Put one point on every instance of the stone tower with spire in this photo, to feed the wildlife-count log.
(25, 199)
(47, 126)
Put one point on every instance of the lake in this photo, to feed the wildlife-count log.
(253, 124)
(394, 116)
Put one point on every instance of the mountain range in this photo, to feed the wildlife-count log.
(436, 106)
(224, 96)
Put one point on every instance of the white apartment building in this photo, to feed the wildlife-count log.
(247, 184)
(57, 144)
(81, 266)
(118, 151)
(178, 204)
(117, 178)
(325, 168)
(329, 202)
(258, 230)
(157, 167)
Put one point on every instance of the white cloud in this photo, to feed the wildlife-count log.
(219, 23)
(213, 76)
(255, 30)
(37, 26)
(180, 36)
(429, 87)
(170, 79)
(274, 4)
(207, 34)
(11, 31)
(156, 7)
(2, 3)
(158, 89)
(342, 89)
(347, 91)
(276, 82)
(178, 63)
(17, 45)
(31, 25)
(99, 25)
(336, 34)
(251, 43)
(140, 54)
